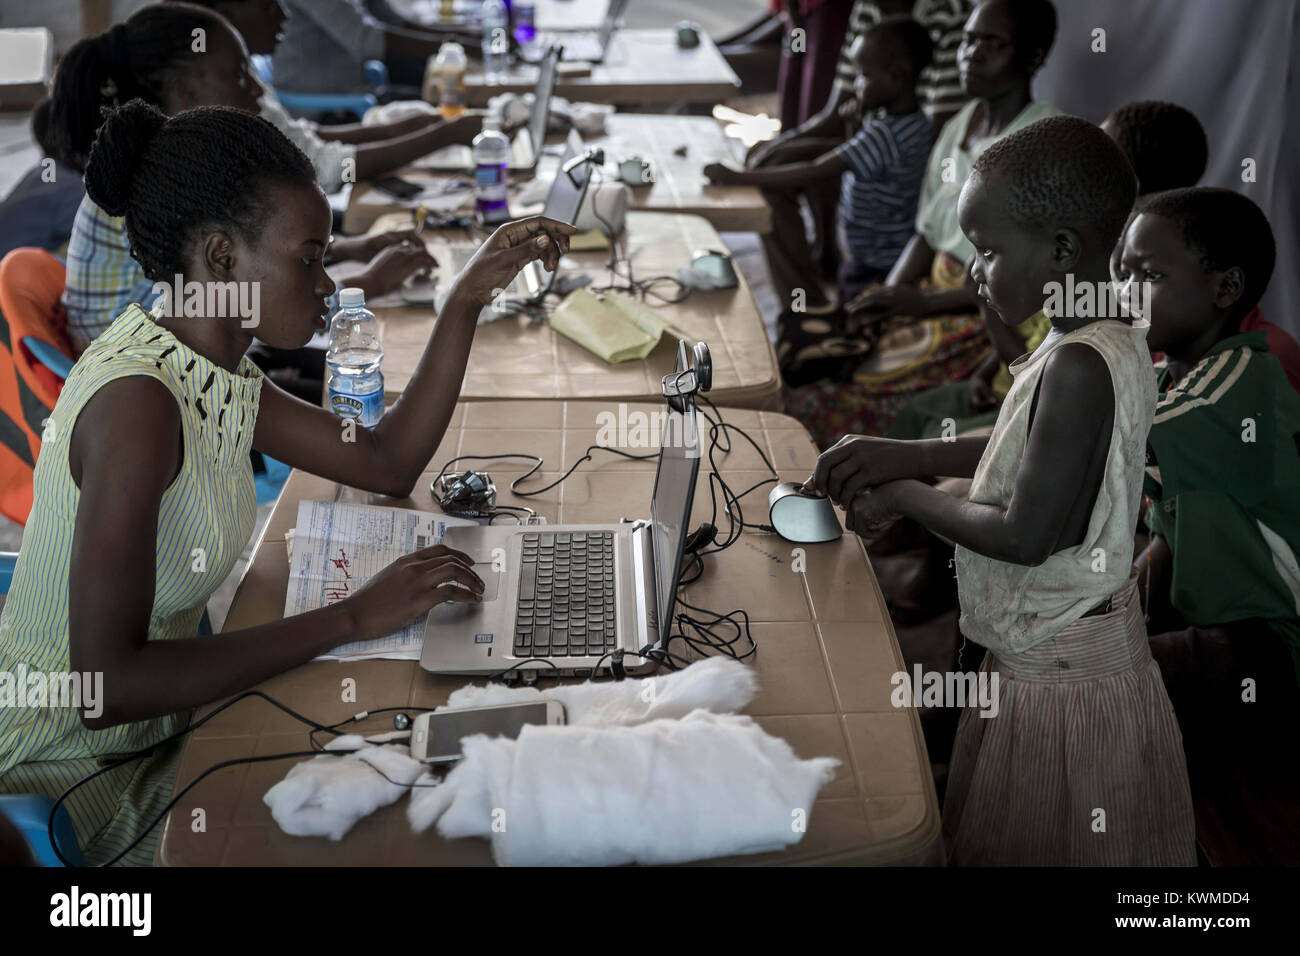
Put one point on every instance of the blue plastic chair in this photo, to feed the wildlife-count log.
(30, 812)
(270, 482)
(49, 356)
(314, 104)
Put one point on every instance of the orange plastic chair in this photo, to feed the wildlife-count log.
(35, 356)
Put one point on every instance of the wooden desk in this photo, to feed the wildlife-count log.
(680, 185)
(640, 66)
(516, 358)
(826, 653)
(549, 14)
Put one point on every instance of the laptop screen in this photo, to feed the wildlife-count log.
(542, 97)
(565, 198)
(670, 508)
(611, 20)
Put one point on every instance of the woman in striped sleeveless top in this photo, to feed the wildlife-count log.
(1082, 761)
(144, 489)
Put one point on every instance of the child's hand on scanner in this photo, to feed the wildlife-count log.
(394, 265)
(870, 512)
(721, 175)
(509, 249)
(857, 462)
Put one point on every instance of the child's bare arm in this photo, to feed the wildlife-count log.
(862, 461)
(790, 174)
(1056, 486)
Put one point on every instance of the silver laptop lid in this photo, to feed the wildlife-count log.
(670, 507)
(542, 91)
(610, 22)
(563, 203)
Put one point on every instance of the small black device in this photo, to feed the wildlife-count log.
(466, 494)
(692, 376)
(398, 188)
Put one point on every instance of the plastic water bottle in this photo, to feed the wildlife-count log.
(496, 40)
(444, 80)
(525, 14)
(491, 154)
(356, 386)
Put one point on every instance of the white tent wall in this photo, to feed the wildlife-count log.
(1231, 62)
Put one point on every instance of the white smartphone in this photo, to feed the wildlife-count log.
(436, 737)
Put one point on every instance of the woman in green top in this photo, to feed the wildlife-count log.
(144, 489)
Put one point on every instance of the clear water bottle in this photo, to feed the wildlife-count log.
(496, 40)
(525, 14)
(491, 154)
(356, 385)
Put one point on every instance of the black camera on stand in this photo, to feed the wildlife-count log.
(694, 374)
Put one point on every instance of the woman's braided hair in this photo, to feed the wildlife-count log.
(175, 179)
(134, 59)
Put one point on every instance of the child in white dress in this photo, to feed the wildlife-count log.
(1083, 764)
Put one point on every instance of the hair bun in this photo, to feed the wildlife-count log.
(117, 153)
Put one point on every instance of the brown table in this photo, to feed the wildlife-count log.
(548, 15)
(640, 66)
(679, 184)
(826, 652)
(516, 358)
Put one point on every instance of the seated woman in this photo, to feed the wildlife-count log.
(152, 57)
(146, 468)
(341, 153)
(942, 338)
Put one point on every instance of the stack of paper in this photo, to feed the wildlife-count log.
(336, 548)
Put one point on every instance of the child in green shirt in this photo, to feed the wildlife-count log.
(1220, 576)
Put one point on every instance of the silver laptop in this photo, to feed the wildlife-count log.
(562, 202)
(588, 46)
(572, 594)
(525, 145)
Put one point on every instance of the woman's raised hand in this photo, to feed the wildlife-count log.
(510, 248)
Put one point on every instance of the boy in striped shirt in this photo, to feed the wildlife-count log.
(1223, 469)
(881, 167)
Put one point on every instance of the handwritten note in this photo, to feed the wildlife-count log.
(338, 547)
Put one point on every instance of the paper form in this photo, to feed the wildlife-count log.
(336, 548)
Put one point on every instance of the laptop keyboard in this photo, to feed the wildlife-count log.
(566, 595)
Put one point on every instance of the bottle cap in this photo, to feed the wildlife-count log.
(490, 122)
(352, 298)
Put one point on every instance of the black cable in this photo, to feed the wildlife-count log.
(146, 751)
(645, 288)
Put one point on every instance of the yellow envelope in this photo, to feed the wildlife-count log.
(613, 326)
